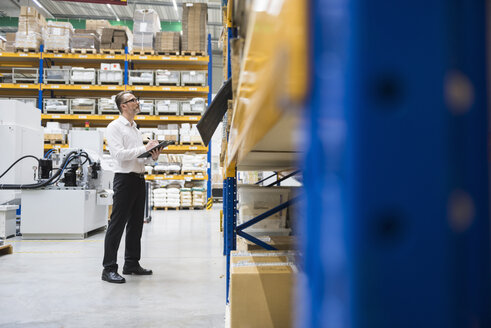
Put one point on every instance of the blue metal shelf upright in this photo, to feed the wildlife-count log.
(396, 226)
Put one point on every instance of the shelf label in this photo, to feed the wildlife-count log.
(142, 57)
(169, 176)
(166, 88)
(85, 86)
(188, 178)
(193, 148)
(82, 56)
(55, 116)
(55, 86)
(193, 89)
(165, 58)
(23, 55)
(24, 86)
(195, 118)
(164, 117)
(158, 178)
(109, 117)
(57, 146)
(112, 88)
(58, 55)
(138, 88)
(193, 58)
(82, 116)
(140, 117)
(109, 57)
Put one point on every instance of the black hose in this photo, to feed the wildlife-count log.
(17, 161)
(39, 184)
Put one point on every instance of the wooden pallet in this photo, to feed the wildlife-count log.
(167, 53)
(6, 249)
(192, 172)
(166, 208)
(112, 51)
(191, 114)
(54, 138)
(57, 51)
(27, 50)
(82, 112)
(192, 143)
(83, 82)
(83, 51)
(143, 52)
(193, 53)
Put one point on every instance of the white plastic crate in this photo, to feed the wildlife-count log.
(146, 106)
(166, 77)
(25, 75)
(83, 106)
(194, 77)
(107, 106)
(254, 200)
(29, 101)
(167, 107)
(83, 75)
(110, 76)
(56, 106)
(57, 75)
(193, 106)
(140, 77)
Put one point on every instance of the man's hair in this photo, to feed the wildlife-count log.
(120, 98)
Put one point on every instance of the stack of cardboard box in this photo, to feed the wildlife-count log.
(116, 37)
(97, 25)
(31, 24)
(146, 23)
(86, 39)
(10, 43)
(167, 42)
(194, 19)
(58, 36)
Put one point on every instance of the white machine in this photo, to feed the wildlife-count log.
(73, 204)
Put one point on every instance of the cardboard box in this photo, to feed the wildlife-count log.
(279, 242)
(261, 295)
(107, 35)
(10, 36)
(28, 11)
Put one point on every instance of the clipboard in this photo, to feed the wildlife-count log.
(161, 145)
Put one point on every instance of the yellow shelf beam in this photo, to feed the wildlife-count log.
(203, 60)
(167, 88)
(20, 55)
(175, 177)
(86, 87)
(21, 86)
(98, 57)
(101, 120)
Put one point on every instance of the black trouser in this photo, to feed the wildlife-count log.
(128, 210)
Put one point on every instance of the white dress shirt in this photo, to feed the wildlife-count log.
(125, 144)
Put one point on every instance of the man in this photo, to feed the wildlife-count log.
(125, 144)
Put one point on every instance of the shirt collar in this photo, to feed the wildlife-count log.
(126, 122)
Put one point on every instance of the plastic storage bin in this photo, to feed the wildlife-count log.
(56, 106)
(83, 106)
(166, 77)
(146, 106)
(193, 106)
(167, 107)
(140, 77)
(83, 75)
(25, 75)
(194, 77)
(57, 75)
(110, 76)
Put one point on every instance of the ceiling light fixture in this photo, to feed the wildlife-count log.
(2, 38)
(175, 5)
(109, 6)
(41, 6)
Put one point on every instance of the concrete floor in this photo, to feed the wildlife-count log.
(58, 283)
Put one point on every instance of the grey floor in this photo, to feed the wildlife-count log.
(57, 283)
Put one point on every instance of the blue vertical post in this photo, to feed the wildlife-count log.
(41, 73)
(396, 229)
(210, 90)
(126, 66)
(231, 223)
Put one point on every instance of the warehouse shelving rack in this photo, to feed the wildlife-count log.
(41, 90)
(264, 109)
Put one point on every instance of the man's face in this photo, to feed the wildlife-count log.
(130, 105)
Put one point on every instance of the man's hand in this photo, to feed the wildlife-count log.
(155, 154)
(151, 144)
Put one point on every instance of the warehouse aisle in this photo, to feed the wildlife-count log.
(57, 283)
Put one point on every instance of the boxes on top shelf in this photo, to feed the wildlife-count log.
(167, 43)
(146, 23)
(86, 39)
(57, 36)
(194, 20)
(10, 43)
(97, 25)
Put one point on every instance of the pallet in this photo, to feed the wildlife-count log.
(193, 53)
(83, 51)
(140, 83)
(57, 51)
(109, 112)
(82, 112)
(27, 50)
(167, 53)
(54, 138)
(112, 51)
(48, 111)
(177, 84)
(166, 208)
(143, 52)
(6, 249)
(192, 172)
(191, 84)
(200, 143)
(110, 82)
(191, 113)
(83, 82)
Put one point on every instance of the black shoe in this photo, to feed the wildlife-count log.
(137, 270)
(112, 276)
